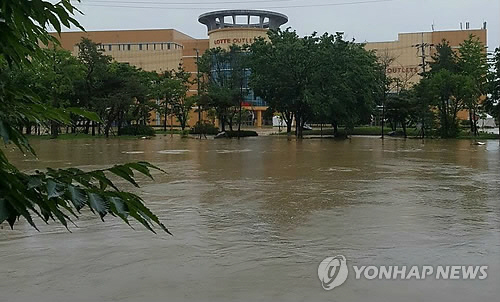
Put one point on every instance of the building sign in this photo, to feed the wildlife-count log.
(413, 70)
(235, 41)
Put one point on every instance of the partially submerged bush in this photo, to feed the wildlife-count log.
(204, 128)
(243, 133)
(142, 130)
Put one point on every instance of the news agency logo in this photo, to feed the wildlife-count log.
(333, 272)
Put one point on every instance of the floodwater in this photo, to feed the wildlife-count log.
(252, 219)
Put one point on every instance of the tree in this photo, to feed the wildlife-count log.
(224, 74)
(472, 63)
(385, 60)
(445, 89)
(54, 194)
(58, 77)
(443, 59)
(399, 107)
(346, 83)
(178, 101)
(96, 64)
(492, 104)
(421, 105)
(448, 91)
(281, 70)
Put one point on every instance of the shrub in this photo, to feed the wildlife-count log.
(204, 128)
(243, 133)
(135, 130)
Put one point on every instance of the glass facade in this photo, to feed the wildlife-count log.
(249, 98)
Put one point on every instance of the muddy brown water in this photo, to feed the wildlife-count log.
(252, 219)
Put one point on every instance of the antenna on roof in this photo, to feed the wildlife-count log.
(461, 26)
(485, 24)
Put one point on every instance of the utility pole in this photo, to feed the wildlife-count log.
(198, 82)
(423, 55)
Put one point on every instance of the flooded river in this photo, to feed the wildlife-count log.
(252, 220)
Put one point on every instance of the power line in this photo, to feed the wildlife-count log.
(185, 3)
(267, 7)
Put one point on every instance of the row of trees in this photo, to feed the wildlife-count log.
(55, 194)
(461, 79)
(457, 80)
(120, 94)
(316, 79)
(325, 79)
(306, 79)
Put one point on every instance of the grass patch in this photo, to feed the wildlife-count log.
(360, 131)
(173, 131)
(377, 131)
(481, 136)
(70, 136)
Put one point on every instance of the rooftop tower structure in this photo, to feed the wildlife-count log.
(228, 27)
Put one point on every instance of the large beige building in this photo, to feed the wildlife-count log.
(405, 56)
(165, 49)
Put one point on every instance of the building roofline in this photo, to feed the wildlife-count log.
(425, 32)
(122, 30)
(267, 19)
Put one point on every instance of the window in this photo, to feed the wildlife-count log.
(109, 47)
(140, 46)
(119, 47)
(241, 19)
(168, 45)
(128, 47)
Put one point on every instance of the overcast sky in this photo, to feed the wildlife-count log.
(377, 20)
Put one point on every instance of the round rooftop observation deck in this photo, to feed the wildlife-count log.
(242, 19)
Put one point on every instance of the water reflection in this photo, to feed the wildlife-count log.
(253, 218)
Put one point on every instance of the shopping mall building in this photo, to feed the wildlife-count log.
(164, 49)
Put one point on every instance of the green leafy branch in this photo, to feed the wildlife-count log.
(61, 194)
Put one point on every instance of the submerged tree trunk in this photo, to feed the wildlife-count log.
(165, 119)
(403, 124)
(289, 127)
(239, 121)
(54, 129)
(87, 127)
(471, 120)
(299, 125)
(335, 129)
(222, 120)
(183, 120)
(423, 126)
